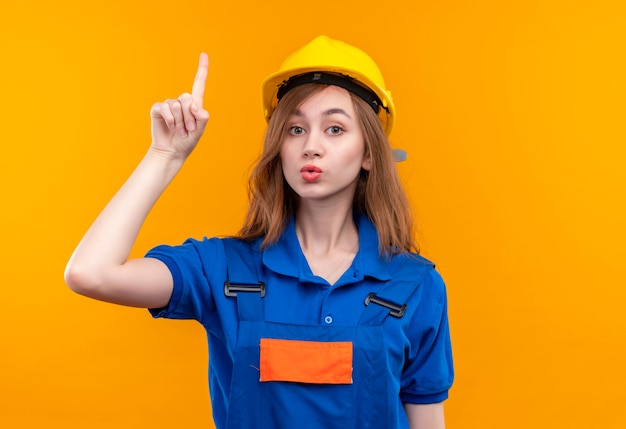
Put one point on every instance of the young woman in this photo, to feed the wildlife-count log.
(319, 313)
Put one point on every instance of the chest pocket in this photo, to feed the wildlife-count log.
(314, 362)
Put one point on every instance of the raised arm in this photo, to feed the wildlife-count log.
(99, 267)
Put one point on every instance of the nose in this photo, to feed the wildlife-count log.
(313, 147)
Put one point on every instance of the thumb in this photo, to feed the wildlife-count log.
(199, 113)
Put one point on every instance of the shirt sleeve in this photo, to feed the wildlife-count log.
(191, 265)
(429, 372)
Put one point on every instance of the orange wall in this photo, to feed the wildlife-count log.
(513, 115)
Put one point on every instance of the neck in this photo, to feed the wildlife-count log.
(329, 240)
(322, 231)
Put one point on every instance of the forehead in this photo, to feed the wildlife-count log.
(332, 99)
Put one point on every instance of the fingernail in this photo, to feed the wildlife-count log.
(191, 126)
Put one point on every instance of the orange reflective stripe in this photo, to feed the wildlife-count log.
(306, 361)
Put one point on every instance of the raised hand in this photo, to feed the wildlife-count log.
(101, 266)
(178, 124)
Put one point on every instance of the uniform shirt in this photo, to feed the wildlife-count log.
(417, 345)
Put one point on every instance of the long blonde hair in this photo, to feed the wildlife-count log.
(379, 194)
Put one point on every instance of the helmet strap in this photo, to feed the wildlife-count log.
(343, 81)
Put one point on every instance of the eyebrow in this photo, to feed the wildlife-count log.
(328, 112)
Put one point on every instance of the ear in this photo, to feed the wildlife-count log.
(367, 163)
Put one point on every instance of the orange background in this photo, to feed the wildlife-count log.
(513, 116)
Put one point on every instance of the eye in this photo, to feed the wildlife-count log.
(335, 130)
(296, 131)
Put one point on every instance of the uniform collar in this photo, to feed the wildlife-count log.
(286, 257)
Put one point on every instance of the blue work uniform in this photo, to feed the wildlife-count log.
(382, 327)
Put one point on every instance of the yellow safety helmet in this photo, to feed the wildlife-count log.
(325, 60)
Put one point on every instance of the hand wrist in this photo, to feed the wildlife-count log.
(166, 164)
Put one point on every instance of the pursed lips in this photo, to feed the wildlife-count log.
(311, 173)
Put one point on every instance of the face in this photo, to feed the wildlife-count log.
(323, 151)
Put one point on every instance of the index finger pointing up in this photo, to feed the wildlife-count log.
(197, 90)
